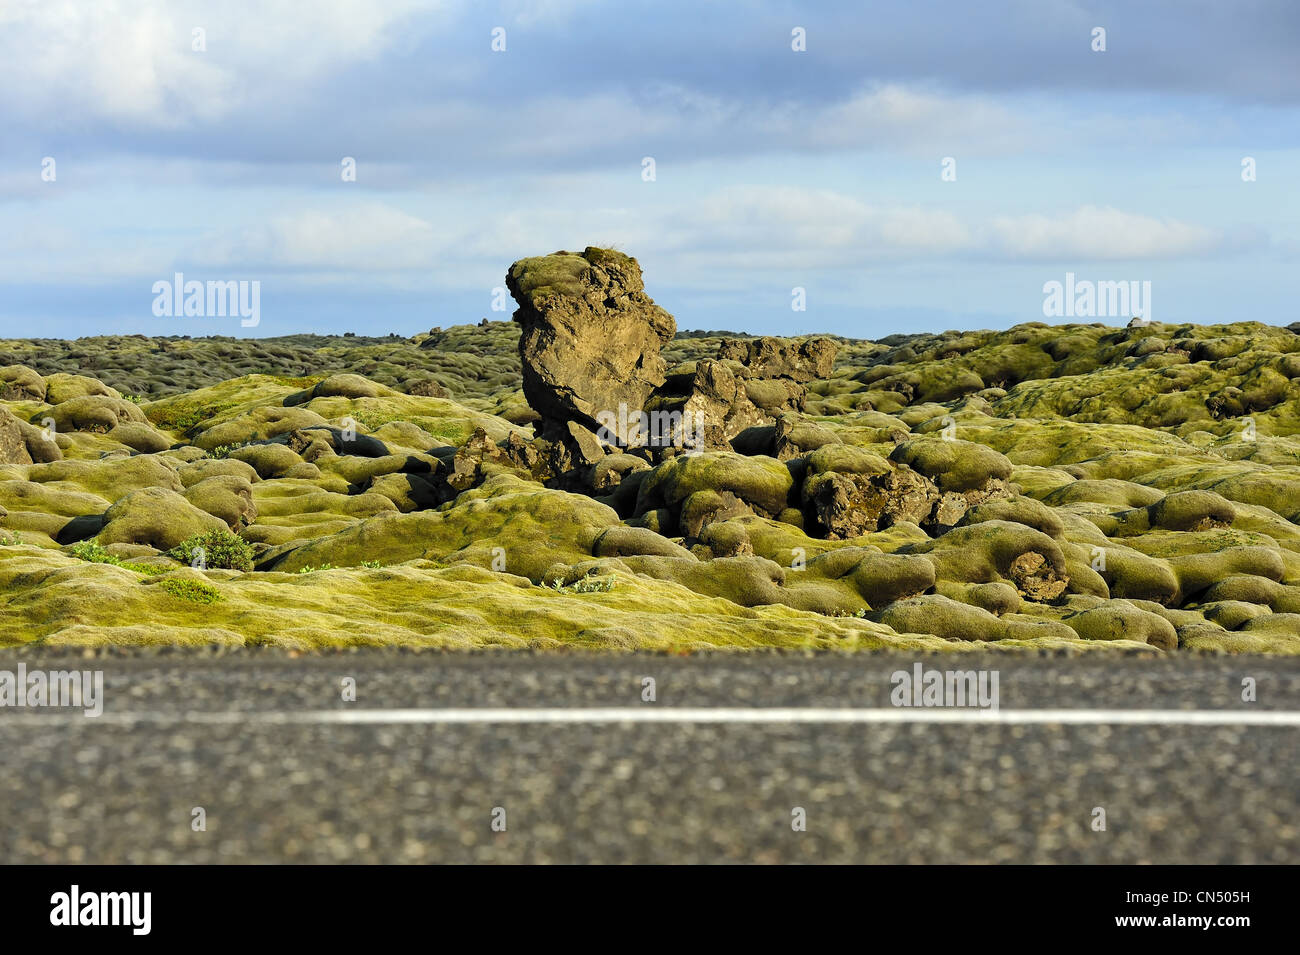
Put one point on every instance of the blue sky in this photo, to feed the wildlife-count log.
(774, 168)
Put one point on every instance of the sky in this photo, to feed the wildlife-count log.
(905, 166)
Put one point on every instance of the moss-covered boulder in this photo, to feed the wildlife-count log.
(1120, 620)
(225, 496)
(97, 413)
(342, 386)
(156, 516)
(506, 524)
(995, 550)
(273, 460)
(950, 620)
(620, 541)
(761, 482)
(61, 387)
(139, 436)
(1192, 510)
(20, 383)
(953, 465)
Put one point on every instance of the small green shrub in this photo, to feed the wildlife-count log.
(312, 570)
(217, 549)
(224, 450)
(94, 553)
(195, 591)
(9, 540)
(587, 585)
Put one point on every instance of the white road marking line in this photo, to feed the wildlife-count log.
(658, 714)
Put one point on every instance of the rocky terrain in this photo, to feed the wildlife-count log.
(585, 476)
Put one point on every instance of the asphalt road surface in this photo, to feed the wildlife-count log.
(720, 767)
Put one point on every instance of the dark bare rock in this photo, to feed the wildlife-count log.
(847, 505)
(13, 445)
(769, 357)
(776, 370)
(711, 403)
(481, 457)
(426, 388)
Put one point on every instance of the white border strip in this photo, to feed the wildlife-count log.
(657, 714)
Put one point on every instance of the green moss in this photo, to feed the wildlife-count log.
(184, 417)
(1120, 620)
(1137, 498)
(560, 274)
(761, 481)
(156, 517)
(953, 465)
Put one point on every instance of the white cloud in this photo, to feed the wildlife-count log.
(362, 237)
(530, 13)
(1092, 232)
(785, 224)
(133, 60)
(825, 226)
(918, 119)
(461, 237)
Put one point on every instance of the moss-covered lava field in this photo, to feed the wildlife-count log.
(1045, 486)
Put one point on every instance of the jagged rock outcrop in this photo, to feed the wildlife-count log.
(23, 443)
(776, 370)
(481, 457)
(591, 336)
(768, 357)
(13, 446)
(592, 369)
(710, 403)
(750, 383)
